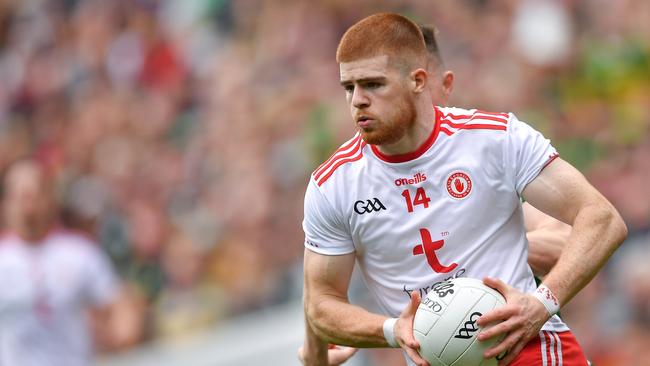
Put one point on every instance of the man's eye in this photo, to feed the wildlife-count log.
(349, 88)
(373, 85)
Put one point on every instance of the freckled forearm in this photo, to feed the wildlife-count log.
(339, 322)
(314, 349)
(597, 232)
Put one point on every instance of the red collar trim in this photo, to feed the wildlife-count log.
(402, 158)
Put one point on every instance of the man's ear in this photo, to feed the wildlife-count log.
(419, 80)
(447, 84)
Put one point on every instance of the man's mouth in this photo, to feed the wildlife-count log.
(364, 121)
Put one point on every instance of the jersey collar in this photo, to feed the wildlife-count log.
(402, 158)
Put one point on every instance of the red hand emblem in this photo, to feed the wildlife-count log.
(460, 186)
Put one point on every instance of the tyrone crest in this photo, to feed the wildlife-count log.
(459, 185)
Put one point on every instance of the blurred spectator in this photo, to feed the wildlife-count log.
(50, 278)
(187, 303)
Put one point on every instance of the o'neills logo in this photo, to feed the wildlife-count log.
(418, 178)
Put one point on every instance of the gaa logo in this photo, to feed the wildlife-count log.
(459, 185)
(368, 206)
(470, 327)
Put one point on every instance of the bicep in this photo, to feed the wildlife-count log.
(327, 274)
(560, 190)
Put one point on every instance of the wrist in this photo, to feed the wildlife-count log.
(389, 332)
(544, 295)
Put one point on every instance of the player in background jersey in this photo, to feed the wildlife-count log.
(385, 82)
(546, 235)
(50, 280)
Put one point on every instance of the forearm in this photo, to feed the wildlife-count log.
(315, 349)
(336, 321)
(597, 232)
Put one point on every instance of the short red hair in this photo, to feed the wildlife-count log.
(384, 34)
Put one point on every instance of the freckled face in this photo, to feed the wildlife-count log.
(382, 107)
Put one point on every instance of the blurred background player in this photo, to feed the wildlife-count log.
(546, 235)
(52, 280)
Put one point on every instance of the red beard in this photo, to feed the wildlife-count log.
(391, 129)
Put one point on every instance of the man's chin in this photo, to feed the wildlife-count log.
(369, 137)
(376, 138)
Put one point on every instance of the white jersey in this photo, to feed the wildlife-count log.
(45, 289)
(450, 209)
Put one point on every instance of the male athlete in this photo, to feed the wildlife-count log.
(422, 194)
(546, 236)
(49, 279)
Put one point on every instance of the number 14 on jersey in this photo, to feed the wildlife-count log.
(420, 198)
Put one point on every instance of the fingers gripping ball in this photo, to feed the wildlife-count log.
(445, 323)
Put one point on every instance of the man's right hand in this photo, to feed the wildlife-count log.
(404, 331)
(336, 355)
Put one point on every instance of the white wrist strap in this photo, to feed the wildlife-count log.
(548, 299)
(389, 333)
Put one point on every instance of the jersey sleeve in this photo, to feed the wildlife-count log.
(101, 281)
(325, 230)
(528, 153)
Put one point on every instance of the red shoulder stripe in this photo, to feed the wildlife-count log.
(473, 117)
(340, 162)
(504, 121)
(347, 145)
(464, 125)
(482, 127)
(337, 156)
(458, 127)
(452, 124)
(445, 131)
(455, 116)
(506, 115)
(478, 120)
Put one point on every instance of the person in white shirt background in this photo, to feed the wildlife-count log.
(56, 285)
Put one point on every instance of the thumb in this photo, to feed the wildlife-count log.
(349, 351)
(405, 322)
(301, 354)
(414, 303)
(340, 355)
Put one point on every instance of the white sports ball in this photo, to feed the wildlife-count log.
(445, 323)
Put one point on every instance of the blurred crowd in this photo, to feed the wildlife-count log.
(181, 134)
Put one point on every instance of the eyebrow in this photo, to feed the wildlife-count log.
(363, 80)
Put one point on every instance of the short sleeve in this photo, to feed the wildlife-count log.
(325, 230)
(102, 284)
(528, 153)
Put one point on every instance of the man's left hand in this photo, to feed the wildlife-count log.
(520, 320)
(336, 355)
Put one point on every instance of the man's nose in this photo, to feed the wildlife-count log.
(360, 99)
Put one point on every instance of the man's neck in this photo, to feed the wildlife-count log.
(415, 136)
